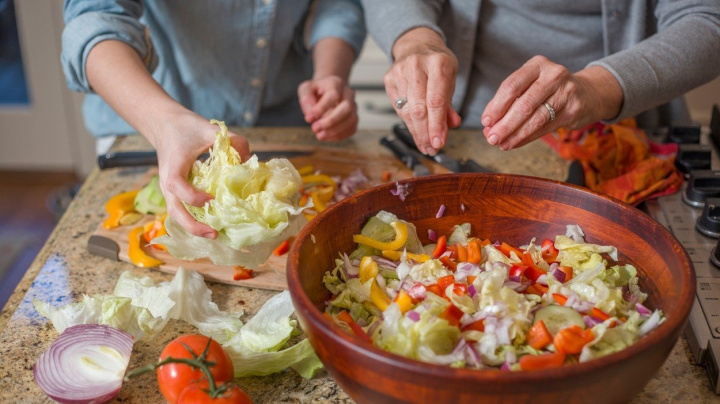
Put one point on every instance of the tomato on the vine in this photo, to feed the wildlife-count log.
(197, 393)
(173, 378)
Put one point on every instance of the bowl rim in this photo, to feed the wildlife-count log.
(662, 333)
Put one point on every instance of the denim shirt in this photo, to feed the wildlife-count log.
(240, 61)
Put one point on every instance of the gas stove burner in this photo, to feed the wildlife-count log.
(692, 157)
(701, 185)
(709, 222)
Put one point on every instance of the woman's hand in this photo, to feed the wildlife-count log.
(329, 106)
(423, 74)
(178, 143)
(518, 113)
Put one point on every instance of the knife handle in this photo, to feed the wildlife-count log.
(127, 159)
(401, 151)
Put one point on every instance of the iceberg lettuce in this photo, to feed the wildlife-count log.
(255, 207)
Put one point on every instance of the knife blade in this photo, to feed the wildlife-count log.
(410, 157)
(149, 157)
(455, 166)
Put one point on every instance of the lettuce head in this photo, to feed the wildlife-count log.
(255, 207)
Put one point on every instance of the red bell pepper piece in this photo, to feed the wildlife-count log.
(440, 247)
(444, 282)
(448, 263)
(452, 314)
(355, 327)
(543, 361)
(283, 248)
(517, 270)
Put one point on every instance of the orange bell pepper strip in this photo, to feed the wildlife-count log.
(474, 252)
(369, 270)
(404, 301)
(572, 339)
(538, 336)
(440, 247)
(506, 249)
(135, 252)
(354, 326)
(117, 206)
(560, 299)
(447, 263)
(542, 361)
(599, 314)
(470, 279)
(462, 253)
(434, 288)
(154, 229)
(401, 235)
(242, 273)
(283, 248)
(475, 326)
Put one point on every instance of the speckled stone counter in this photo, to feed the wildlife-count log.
(64, 270)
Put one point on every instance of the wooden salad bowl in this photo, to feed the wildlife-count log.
(503, 207)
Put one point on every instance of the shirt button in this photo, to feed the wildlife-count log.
(248, 116)
(261, 43)
(256, 82)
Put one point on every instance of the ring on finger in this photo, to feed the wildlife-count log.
(550, 110)
(400, 103)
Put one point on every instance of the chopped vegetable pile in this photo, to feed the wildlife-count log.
(469, 302)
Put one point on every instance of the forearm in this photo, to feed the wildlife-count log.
(332, 57)
(116, 73)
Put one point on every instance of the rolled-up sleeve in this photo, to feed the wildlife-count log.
(88, 23)
(340, 19)
(388, 20)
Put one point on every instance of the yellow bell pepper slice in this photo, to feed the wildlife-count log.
(369, 270)
(395, 256)
(136, 253)
(317, 202)
(401, 235)
(319, 178)
(305, 170)
(117, 206)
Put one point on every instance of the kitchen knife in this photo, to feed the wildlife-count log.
(410, 157)
(468, 166)
(149, 157)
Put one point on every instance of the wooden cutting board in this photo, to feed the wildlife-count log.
(113, 243)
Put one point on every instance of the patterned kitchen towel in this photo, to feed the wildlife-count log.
(619, 160)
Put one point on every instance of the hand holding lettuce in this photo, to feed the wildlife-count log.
(255, 207)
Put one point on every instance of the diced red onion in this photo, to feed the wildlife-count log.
(515, 278)
(62, 371)
(386, 263)
(471, 290)
(650, 324)
(351, 270)
(472, 356)
(591, 321)
(462, 207)
(644, 311)
(413, 315)
(401, 190)
(542, 279)
(432, 236)
(559, 275)
(440, 212)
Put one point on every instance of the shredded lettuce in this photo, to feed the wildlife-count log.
(142, 308)
(255, 206)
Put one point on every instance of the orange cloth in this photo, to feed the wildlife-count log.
(619, 160)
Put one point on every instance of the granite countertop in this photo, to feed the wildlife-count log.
(64, 270)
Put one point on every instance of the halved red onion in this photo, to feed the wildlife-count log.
(85, 364)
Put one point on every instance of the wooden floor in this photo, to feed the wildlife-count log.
(30, 203)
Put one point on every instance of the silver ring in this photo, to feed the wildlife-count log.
(400, 103)
(550, 110)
